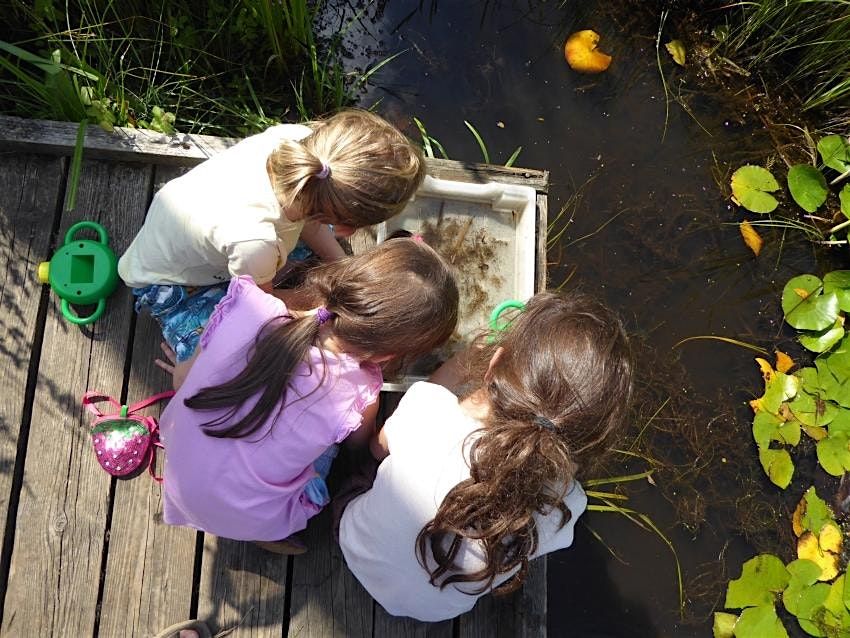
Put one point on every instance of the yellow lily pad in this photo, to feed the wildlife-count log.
(821, 550)
(582, 55)
(676, 48)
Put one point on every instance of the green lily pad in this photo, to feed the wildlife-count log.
(823, 340)
(837, 618)
(805, 308)
(751, 186)
(763, 577)
(844, 200)
(760, 622)
(724, 625)
(834, 453)
(834, 152)
(809, 381)
(836, 384)
(777, 465)
(816, 514)
(804, 574)
(779, 389)
(810, 608)
(769, 427)
(812, 411)
(808, 187)
(841, 422)
(838, 281)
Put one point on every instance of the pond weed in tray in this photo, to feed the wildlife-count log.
(487, 232)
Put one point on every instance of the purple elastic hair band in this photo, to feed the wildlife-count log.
(323, 315)
(325, 172)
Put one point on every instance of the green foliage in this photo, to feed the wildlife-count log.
(808, 187)
(762, 579)
(803, 43)
(220, 68)
(815, 399)
(751, 188)
(429, 143)
(834, 152)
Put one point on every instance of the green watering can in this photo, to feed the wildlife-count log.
(82, 272)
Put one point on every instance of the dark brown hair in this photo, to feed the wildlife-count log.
(373, 169)
(400, 299)
(557, 393)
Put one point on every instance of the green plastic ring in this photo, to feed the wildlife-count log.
(498, 310)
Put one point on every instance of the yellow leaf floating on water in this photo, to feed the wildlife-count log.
(751, 238)
(783, 362)
(582, 55)
(677, 50)
(766, 370)
(822, 550)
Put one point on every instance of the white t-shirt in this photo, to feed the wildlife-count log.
(219, 220)
(427, 459)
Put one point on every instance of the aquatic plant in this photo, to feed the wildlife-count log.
(223, 68)
(429, 143)
(811, 588)
(582, 54)
(814, 400)
(802, 45)
(752, 188)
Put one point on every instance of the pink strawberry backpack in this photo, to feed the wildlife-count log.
(124, 441)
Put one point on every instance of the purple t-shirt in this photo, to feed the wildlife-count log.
(252, 488)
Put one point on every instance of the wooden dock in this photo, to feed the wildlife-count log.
(84, 554)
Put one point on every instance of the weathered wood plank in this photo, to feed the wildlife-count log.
(541, 239)
(123, 144)
(387, 626)
(150, 565)
(242, 586)
(30, 199)
(141, 145)
(61, 518)
(326, 598)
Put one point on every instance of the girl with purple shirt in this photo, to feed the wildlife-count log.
(271, 388)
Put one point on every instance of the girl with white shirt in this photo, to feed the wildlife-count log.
(475, 486)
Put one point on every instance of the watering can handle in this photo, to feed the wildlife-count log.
(100, 230)
(81, 321)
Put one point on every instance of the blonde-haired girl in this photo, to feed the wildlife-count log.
(242, 211)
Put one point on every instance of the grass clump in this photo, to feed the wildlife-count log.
(217, 68)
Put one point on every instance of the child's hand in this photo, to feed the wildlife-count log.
(178, 371)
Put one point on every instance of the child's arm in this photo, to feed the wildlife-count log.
(364, 433)
(320, 239)
(178, 371)
(453, 373)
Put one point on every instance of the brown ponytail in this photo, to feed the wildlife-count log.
(557, 394)
(398, 299)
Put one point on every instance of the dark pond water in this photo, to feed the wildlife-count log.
(651, 233)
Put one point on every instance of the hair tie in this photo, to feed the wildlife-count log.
(543, 422)
(323, 315)
(418, 238)
(325, 172)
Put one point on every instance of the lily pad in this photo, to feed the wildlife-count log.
(822, 550)
(762, 579)
(812, 411)
(810, 602)
(823, 340)
(804, 574)
(840, 424)
(724, 624)
(834, 152)
(808, 187)
(760, 622)
(838, 281)
(779, 389)
(751, 188)
(777, 465)
(834, 453)
(844, 200)
(811, 514)
(805, 308)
